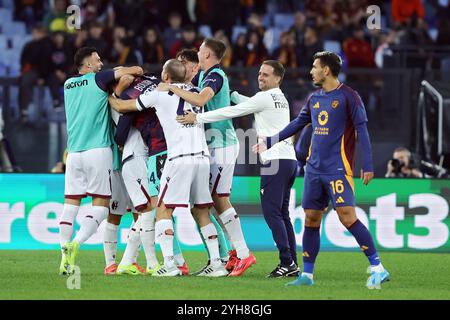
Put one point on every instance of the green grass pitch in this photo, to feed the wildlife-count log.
(338, 275)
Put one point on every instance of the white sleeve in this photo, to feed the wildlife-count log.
(251, 105)
(236, 97)
(147, 100)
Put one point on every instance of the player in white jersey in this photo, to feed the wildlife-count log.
(185, 177)
(89, 160)
(271, 110)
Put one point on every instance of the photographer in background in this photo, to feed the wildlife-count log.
(402, 166)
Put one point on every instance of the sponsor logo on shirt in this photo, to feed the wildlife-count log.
(76, 84)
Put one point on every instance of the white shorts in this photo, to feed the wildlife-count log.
(134, 173)
(223, 161)
(120, 202)
(88, 173)
(184, 181)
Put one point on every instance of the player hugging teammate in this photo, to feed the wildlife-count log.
(134, 176)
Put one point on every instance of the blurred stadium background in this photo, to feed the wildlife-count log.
(402, 72)
(386, 66)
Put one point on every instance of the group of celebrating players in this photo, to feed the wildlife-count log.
(137, 142)
(158, 156)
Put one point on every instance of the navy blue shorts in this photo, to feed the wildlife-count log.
(319, 189)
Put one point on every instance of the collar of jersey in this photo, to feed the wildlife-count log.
(209, 70)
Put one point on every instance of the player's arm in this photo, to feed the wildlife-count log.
(122, 106)
(255, 104)
(292, 128)
(194, 98)
(106, 78)
(135, 71)
(211, 85)
(123, 83)
(237, 98)
(359, 117)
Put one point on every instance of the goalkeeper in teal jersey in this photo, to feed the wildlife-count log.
(89, 142)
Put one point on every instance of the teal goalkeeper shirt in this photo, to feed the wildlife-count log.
(88, 117)
(219, 134)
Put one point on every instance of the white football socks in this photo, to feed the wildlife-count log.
(66, 223)
(165, 240)
(232, 225)
(148, 238)
(90, 223)
(110, 243)
(209, 233)
(133, 242)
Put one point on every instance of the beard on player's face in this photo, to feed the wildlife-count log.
(318, 80)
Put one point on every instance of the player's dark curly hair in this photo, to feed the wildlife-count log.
(331, 60)
(81, 54)
(188, 55)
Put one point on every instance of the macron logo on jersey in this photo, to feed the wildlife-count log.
(75, 84)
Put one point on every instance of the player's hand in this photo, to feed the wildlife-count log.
(163, 86)
(260, 146)
(366, 177)
(188, 118)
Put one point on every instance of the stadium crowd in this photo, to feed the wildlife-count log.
(149, 32)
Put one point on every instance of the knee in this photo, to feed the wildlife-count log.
(347, 218)
(313, 221)
(347, 221)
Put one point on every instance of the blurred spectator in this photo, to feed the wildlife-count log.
(285, 53)
(358, 50)
(226, 60)
(415, 34)
(80, 37)
(95, 39)
(443, 37)
(7, 159)
(384, 50)
(354, 12)
(119, 32)
(257, 51)
(98, 11)
(152, 47)
(255, 23)
(55, 20)
(29, 11)
(62, 61)
(36, 67)
(402, 165)
(224, 15)
(311, 45)
(298, 28)
(188, 41)
(404, 10)
(329, 20)
(240, 51)
(128, 14)
(123, 53)
(172, 34)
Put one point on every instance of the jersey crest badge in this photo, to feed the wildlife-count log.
(335, 104)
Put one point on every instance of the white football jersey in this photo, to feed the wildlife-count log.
(181, 139)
